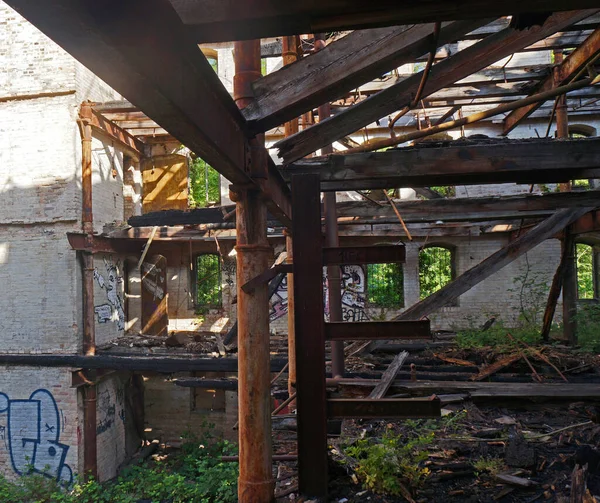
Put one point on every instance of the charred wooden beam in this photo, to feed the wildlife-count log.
(118, 41)
(340, 67)
(384, 407)
(363, 255)
(217, 21)
(534, 161)
(562, 74)
(377, 330)
(449, 71)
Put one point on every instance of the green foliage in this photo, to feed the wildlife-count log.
(445, 190)
(495, 336)
(199, 196)
(585, 271)
(384, 465)
(435, 269)
(588, 327)
(488, 465)
(385, 285)
(197, 475)
(208, 282)
(532, 294)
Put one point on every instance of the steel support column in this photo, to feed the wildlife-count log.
(334, 294)
(255, 483)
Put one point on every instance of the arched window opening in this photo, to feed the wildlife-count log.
(207, 282)
(587, 271)
(436, 269)
(385, 285)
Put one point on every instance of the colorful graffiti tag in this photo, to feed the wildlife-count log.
(32, 436)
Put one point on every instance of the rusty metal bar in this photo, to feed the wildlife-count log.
(364, 254)
(384, 407)
(291, 320)
(310, 339)
(90, 459)
(334, 289)
(290, 55)
(569, 289)
(377, 330)
(255, 482)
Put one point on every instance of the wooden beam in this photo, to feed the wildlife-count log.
(447, 294)
(529, 161)
(388, 376)
(449, 71)
(562, 74)
(218, 21)
(377, 330)
(363, 255)
(342, 66)
(119, 41)
(366, 408)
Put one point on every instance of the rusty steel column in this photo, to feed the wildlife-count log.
(255, 483)
(562, 118)
(291, 322)
(90, 458)
(334, 293)
(290, 56)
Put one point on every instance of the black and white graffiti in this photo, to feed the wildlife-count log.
(112, 283)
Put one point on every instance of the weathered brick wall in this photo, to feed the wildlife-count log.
(40, 422)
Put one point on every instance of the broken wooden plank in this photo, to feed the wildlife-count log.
(505, 478)
(454, 68)
(388, 376)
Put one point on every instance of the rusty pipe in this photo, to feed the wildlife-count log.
(255, 482)
(334, 294)
(290, 55)
(90, 460)
(291, 321)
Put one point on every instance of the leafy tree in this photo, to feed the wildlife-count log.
(585, 271)
(385, 285)
(435, 269)
(200, 171)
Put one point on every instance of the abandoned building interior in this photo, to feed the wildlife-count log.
(189, 188)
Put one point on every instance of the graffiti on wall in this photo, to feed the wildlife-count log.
(109, 409)
(32, 436)
(278, 305)
(153, 279)
(111, 282)
(353, 295)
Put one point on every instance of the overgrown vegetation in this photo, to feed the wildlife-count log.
(585, 270)
(489, 465)
(435, 269)
(205, 185)
(588, 327)
(385, 285)
(194, 475)
(445, 190)
(208, 282)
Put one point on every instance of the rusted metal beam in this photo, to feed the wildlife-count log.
(310, 338)
(217, 21)
(267, 276)
(449, 71)
(108, 128)
(377, 330)
(368, 408)
(364, 254)
(340, 67)
(566, 70)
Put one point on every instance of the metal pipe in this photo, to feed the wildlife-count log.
(291, 320)
(90, 458)
(334, 294)
(390, 142)
(255, 482)
(290, 55)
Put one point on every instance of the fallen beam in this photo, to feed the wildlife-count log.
(342, 66)
(447, 294)
(367, 408)
(377, 330)
(563, 73)
(449, 71)
(530, 161)
(388, 376)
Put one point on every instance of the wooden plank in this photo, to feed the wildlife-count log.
(267, 276)
(366, 408)
(570, 66)
(377, 330)
(456, 67)
(388, 376)
(342, 66)
(182, 94)
(529, 161)
(447, 294)
(218, 21)
(347, 255)
(310, 337)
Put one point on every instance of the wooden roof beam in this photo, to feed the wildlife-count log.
(532, 161)
(220, 21)
(343, 65)
(141, 49)
(443, 74)
(562, 74)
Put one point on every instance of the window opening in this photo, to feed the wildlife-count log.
(436, 269)
(385, 285)
(207, 275)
